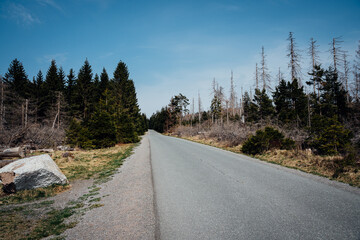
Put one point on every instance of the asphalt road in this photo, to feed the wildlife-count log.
(206, 193)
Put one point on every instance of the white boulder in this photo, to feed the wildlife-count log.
(34, 172)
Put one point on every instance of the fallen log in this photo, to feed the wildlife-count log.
(12, 152)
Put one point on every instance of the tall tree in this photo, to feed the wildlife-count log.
(264, 74)
(314, 55)
(84, 89)
(356, 72)
(104, 80)
(262, 100)
(232, 95)
(335, 50)
(294, 56)
(345, 75)
(70, 89)
(17, 79)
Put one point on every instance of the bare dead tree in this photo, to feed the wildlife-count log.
(192, 111)
(314, 54)
(256, 76)
(346, 73)
(26, 112)
(294, 64)
(58, 110)
(2, 112)
(356, 72)
(227, 111)
(265, 76)
(335, 50)
(232, 94)
(199, 107)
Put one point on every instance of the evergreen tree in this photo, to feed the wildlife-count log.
(17, 80)
(53, 82)
(40, 98)
(266, 109)
(84, 90)
(333, 96)
(104, 81)
(61, 79)
(216, 107)
(70, 90)
(290, 102)
(250, 109)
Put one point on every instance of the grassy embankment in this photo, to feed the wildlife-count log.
(21, 219)
(326, 166)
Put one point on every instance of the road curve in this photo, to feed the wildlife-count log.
(206, 193)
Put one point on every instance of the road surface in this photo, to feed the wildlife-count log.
(201, 192)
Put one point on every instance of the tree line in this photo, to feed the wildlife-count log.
(325, 119)
(83, 109)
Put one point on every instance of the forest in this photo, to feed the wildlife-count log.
(325, 119)
(84, 110)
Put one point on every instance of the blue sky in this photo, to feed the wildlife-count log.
(172, 46)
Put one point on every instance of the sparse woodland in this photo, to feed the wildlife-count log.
(325, 119)
(84, 109)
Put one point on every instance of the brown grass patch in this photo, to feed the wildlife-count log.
(86, 163)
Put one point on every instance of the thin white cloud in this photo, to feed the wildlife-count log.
(50, 3)
(20, 14)
(60, 58)
(228, 7)
(107, 55)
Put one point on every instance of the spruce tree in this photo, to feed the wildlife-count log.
(70, 90)
(17, 79)
(250, 109)
(266, 109)
(84, 90)
(40, 98)
(104, 81)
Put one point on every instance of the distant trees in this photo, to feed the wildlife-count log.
(94, 111)
(325, 119)
(170, 115)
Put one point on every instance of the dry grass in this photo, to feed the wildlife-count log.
(85, 164)
(327, 166)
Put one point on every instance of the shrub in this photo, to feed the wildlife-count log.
(266, 139)
(328, 136)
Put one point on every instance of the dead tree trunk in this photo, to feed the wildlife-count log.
(294, 56)
(313, 52)
(2, 110)
(26, 111)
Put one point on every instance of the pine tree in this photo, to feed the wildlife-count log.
(40, 98)
(250, 109)
(104, 81)
(333, 96)
(17, 79)
(70, 90)
(84, 90)
(18, 89)
(266, 109)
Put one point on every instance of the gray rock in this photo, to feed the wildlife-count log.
(35, 172)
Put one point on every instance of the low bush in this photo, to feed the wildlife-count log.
(266, 139)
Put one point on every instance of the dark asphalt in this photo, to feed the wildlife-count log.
(206, 193)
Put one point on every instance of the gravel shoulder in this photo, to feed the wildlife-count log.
(128, 211)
